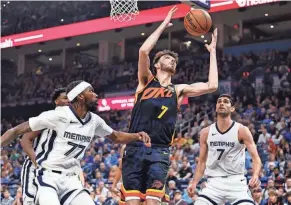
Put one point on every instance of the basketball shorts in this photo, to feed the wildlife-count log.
(233, 189)
(56, 187)
(144, 172)
(166, 197)
(27, 177)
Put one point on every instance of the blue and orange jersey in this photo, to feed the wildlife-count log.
(155, 112)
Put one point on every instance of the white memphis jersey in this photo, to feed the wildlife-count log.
(68, 137)
(226, 155)
(38, 145)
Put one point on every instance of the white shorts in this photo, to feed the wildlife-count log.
(53, 187)
(232, 189)
(28, 187)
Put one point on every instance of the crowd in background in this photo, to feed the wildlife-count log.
(265, 110)
(19, 17)
(268, 118)
(273, 66)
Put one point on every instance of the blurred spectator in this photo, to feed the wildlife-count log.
(172, 188)
(274, 199)
(263, 138)
(288, 185)
(270, 186)
(185, 172)
(288, 199)
(7, 200)
(18, 198)
(277, 137)
(178, 199)
(258, 196)
(172, 177)
(101, 189)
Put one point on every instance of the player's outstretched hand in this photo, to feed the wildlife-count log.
(145, 138)
(170, 15)
(254, 182)
(212, 46)
(191, 189)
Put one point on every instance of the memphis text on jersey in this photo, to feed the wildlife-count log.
(221, 144)
(77, 137)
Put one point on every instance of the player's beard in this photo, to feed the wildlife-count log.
(169, 69)
(91, 106)
(223, 114)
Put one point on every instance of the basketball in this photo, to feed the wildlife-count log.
(197, 22)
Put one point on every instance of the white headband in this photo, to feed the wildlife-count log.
(77, 90)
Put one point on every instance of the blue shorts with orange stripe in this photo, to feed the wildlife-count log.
(144, 172)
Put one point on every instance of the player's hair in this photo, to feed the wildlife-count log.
(71, 86)
(162, 53)
(229, 97)
(57, 92)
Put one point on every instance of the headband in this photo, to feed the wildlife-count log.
(77, 90)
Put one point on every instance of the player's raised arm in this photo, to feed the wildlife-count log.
(44, 120)
(27, 144)
(202, 162)
(196, 89)
(246, 136)
(144, 72)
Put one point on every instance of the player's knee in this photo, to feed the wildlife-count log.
(132, 202)
(153, 201)
(202, 202)
(82, 198)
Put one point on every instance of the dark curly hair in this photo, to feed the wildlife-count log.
(57, 92)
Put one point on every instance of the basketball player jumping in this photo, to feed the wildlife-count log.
(222, 154)
(32, 148)
(144, 169)
(72, 130)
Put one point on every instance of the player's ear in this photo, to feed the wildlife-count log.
(232, 109)
(80, 97)
(156, 65)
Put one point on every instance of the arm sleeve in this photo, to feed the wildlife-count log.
(102, 129)
(46, 120)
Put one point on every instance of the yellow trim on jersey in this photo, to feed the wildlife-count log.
(157, 190)
(129, 191)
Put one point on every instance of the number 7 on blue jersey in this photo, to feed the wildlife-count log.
(164, 110)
